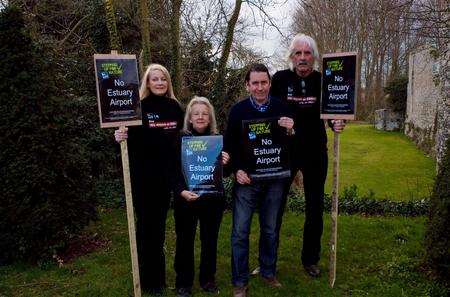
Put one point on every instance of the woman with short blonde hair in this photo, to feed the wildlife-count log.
(187, 126)
(192, 208)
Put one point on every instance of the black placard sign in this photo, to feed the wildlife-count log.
(201, 158)
(117, 90)
(265, 149)
(339, 81)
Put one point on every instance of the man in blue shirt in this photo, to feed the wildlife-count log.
(250, 193)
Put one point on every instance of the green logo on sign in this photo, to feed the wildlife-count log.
(112, 68)
(260, 128)
(335, 65)
(197, 145)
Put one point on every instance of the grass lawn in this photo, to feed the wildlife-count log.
(377, 256)
(387, 163)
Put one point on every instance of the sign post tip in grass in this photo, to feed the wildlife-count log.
(334, 211)
(119, 106)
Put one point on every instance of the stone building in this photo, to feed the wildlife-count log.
(427, 119)
(388, 120)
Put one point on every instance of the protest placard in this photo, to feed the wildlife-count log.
(266, 151)
(201, 158)
(117, 90)
(339, 81)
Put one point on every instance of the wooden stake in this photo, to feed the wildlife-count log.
(334, 212)
(130, 216)
(130, 211)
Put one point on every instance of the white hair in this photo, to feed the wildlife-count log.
(187, 127)
(302, 38)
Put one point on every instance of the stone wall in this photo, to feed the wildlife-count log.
(421, 106)
(443, 108)
(427, 119)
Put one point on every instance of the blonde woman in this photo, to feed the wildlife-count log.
(190, 209)
(151, 164)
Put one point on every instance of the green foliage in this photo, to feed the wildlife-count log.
(44, 164)
(98, 148)
(396, 89)
(199, 67)
(437, 238)
(227, 92)
(95, 25)
(350, 202)
(228, 188)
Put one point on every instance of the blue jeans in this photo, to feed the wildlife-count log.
(267, 196)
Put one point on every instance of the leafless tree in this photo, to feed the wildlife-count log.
(381, 31)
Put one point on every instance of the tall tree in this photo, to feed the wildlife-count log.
(175, 40)
(114, 37)
(218, 90)
(378, 30)
(145, 32)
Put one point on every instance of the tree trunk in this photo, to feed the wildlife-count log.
(218, 89)
(114, 38)
(175, 36)
(145, 33)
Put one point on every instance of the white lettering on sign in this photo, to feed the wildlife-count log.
(119, 83)
(120, 102)
(202, 159)
(344, 88)
(201, 177)
(338, 96)
(266, 141)
(209, 168)
(266, 151)
(115, 93)
(268, 160)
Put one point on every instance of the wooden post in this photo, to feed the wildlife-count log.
(130, 216)
(334, 212)
(130, 212)
(341, 69)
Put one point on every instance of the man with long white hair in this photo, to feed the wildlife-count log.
(300, 87)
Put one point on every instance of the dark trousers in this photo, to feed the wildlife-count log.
(313, 166)
(208, 211)
(151, 213)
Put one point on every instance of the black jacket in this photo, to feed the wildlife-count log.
(302, 96)
(150, 146)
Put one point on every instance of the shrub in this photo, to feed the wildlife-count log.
(351, 203)
(46, 178)
(228, 192)
(396, 89)
(100, 150)
(437, 236)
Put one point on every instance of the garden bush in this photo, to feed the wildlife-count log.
(437, 236)
(350, 202)
(396, 89)
(44, 159)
